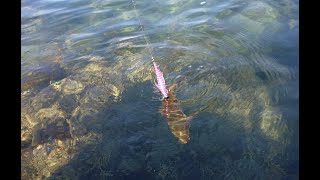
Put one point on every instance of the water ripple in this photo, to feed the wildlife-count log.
(234, 62)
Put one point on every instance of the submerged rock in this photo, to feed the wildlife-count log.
(261, 12)
(65, 114)
(57, 130)
(51, 114)
(70, 86)
(42, 75)
(273, 125)
(26, 137)
(243, 22)
(68, 103)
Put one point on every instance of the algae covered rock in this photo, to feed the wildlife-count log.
(49, 56)
(274, 125)
(59, 130)
(51, 114)
(68, 103)
(61, 111)
(261, 12)
(70, 86)
(41, 75)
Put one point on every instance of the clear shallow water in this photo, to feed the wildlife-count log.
(235, 63)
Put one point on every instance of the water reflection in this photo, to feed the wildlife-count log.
(97, 118)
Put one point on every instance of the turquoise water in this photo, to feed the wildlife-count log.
(89, 109)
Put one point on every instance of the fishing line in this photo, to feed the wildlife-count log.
(143, 32)
(161, 85)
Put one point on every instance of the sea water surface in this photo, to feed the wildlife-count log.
(89, 109)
